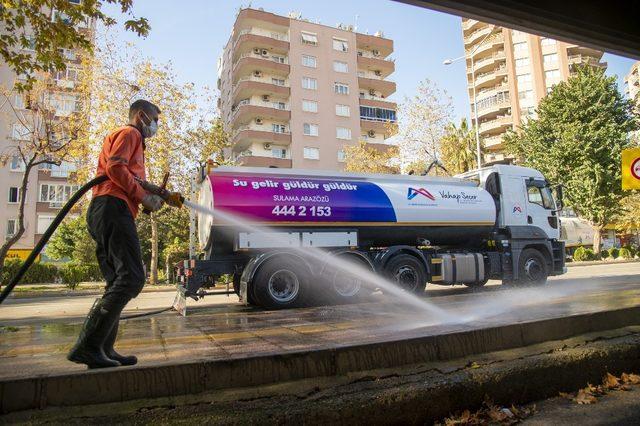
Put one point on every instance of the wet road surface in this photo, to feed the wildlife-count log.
(33, 344)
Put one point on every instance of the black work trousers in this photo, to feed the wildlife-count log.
(111, 225)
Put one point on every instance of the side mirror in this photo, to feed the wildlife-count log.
(559, 199)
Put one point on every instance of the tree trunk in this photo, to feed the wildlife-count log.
(4, 249)
(167, 268)
(153, 268)
(597, 239)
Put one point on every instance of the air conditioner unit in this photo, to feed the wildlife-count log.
(372, 92)
(371, 134)
(265, 98)
(257, 73)
(265, 52)
(256, 50)
(266, 146)
(378, 72)
(375, 52)
(258, 120)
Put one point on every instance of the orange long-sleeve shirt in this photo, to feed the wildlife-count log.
(122, 159)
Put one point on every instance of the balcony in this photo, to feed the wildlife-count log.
(383, 127)
(483, 63)
(496, 124)
(251, 18)
(245, 136)
(245, 111)
(249, 39)
(374, 102)
(386, 88)
(377, 65)
(478, 34)
(383, 46)
(493, 104)
(493, 142)
(495, 41)
(248, 86)
(256, 161)
(577, 60)
(488, 78)
(249, 63)
(469, 23)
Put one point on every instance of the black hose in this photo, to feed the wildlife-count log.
(145, 314)
(50, 230)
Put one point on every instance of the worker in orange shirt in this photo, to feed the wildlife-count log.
(110, 220)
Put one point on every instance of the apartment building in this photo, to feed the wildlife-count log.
(49, 186)
(511, 71)
(294, 93)
(632, 82)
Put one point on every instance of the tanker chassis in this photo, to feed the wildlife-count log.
(499, 222)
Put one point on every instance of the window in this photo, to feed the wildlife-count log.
(280, 105)
(309, 61)
(309, 83)
(339, 66)
(550, 58)
(278, 128)
(525, 94)
(377, 114)
(309, 106)
(43, 223)
(14, 195)
(343, 110)
(552, 74)
(524, 78)
(547, 42)
(340, 45)
(309, 38)
(279, 152)
(341, 155)
(311, 153)
(19, 132)
(63, 104)
(67, 74)
(341, 89)
(12, 227)
(343, 133)
(540, 195)
(520, 47)
(18, 102)
(17, 165)
(56, 193)
(279, 59)
(522, 62)
(277, 81)
(310, 129)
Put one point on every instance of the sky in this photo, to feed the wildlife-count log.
(192, 33)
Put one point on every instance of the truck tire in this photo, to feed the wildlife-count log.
(532, 268)
(344, 287)
(408, 272)
(281, 282)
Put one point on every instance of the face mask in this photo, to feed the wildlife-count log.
(148, 131)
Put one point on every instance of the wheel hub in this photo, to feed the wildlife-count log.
(533, 269)
(283, 286)
(406, 278)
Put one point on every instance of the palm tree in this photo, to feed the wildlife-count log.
(458, 148)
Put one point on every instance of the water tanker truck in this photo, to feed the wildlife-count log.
(499, 222)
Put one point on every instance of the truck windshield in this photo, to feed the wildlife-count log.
(541, 196)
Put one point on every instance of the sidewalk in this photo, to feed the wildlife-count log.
(83, 289)
(601, 262)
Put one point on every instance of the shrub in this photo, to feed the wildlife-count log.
(591, 254)
(37, 273)
(625, 253)
(604, 254)
(614, 252)
(74, 273)
(580, 254)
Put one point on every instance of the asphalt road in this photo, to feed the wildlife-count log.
(52, 308)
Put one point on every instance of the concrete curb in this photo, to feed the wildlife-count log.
(600, 262)
(127, 384)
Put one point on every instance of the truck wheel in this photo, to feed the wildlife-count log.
(348, 287)
(532, 268)
(407, 272)
(281, 282)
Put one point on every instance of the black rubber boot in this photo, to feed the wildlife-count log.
(88, 349)
(111, 353)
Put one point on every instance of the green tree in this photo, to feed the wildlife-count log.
(577, 139)
(46, 27)
(72, 241)
(457, 148)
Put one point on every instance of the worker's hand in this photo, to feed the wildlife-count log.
(174, 199)
(152, 202)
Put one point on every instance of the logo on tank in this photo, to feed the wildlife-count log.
(414, 192)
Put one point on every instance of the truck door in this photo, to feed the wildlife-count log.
(514, 201)
(541, 207)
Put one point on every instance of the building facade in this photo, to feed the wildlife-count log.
(49, 186)
(294, 93)
(511, 71)
(632, 82)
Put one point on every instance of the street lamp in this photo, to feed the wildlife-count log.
(473, 88)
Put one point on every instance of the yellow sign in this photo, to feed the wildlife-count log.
(20, 254)
(631, 168)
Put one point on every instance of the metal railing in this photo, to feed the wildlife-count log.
(274, 35)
